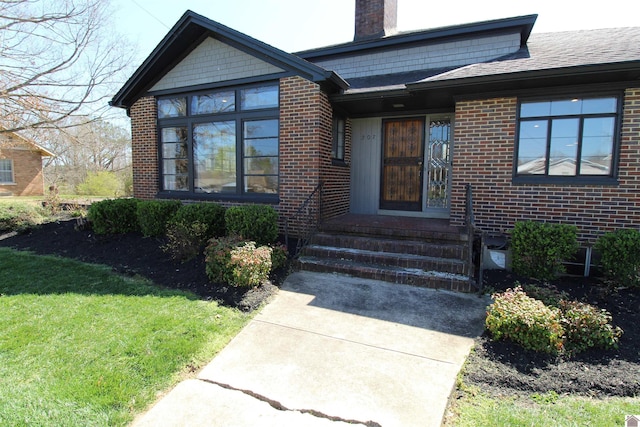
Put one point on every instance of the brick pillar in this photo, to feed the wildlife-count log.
(144, 148)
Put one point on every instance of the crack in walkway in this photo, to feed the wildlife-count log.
(280, 407)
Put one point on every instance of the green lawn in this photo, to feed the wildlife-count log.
(477, 409)
(81, 346)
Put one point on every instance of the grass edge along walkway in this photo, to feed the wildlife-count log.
(83, 346)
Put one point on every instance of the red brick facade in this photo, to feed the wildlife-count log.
(144, 150)
(27, 172)
(484, 138)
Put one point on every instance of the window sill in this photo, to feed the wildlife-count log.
(273, 199)
(8, 183)
(562, 180)
(338, 162)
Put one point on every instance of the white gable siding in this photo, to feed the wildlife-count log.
(451, 54)
(211, 62)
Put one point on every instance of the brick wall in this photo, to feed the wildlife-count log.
(27, 172)
(305, 151)
(484, 139)
(144, 150)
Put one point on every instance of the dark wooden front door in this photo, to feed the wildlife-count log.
(403, 155)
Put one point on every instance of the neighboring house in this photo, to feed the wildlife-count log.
(21, 166)
(543, 126)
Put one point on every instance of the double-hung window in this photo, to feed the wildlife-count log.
(221, 142)
(567, 139)
(6, 171)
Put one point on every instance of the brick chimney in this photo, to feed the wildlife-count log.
(375, 18)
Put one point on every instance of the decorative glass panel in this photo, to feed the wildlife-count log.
(218, 102)
(532, 147)
(259, 97)
(214, 152)
(439, 164)
(172, 107)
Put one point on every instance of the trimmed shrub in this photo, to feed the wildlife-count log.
(20, 216)
(153, 215)
(185, 241)
(211, 215)
(587, 326)
(539, 248)
(620, 251)
(237, 262)
(524, 320)
(258, 223)
(250, 265)
(115, 216)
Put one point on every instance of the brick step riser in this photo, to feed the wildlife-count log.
(387, 259)
(389, 276)
(400, 234)
(443, 250)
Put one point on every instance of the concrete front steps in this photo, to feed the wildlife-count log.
(414, 251)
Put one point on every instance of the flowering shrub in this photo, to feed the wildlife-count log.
(526, 321)
(561, 327)
(250, 266)
(279, 256)
(236, 262)
(587, 326)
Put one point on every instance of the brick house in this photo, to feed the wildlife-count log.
(396, 125)
(21, 166)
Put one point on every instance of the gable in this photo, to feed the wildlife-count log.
(211, 62)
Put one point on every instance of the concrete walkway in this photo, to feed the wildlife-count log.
(332, 350)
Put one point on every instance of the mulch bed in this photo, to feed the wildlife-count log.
(502, 368)
(132, 254)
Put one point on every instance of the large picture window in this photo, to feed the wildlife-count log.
(223, 142)
(567, 138)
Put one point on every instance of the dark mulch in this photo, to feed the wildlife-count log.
(133, 254)
(505, 368)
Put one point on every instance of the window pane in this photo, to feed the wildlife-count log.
(219, 102)
(261, 166)
(599, 105)
(261, 129)
(535, 109)
(261, 184)
(566, 107)
(174, 134)
(171, 151)
(172, 107)
(214, 152)
(259, 97)
(175, 182)
(6, 174)
(532, 147)
(261, 147)
(564, 147)
(597, 146)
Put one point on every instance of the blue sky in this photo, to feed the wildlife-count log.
(293, 25)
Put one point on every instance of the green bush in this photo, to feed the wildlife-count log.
(153, 215)
(524, 320)
(185, 241)
(114, 216)
(218, 257)
(258, 223)
(540, 248)
(620, 251)
(210, 214)
(587, 326)
(250, 265)
(279, 256)
(20, 216)
(563, 327)
(101, 183)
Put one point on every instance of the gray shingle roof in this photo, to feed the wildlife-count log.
(559, 50)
